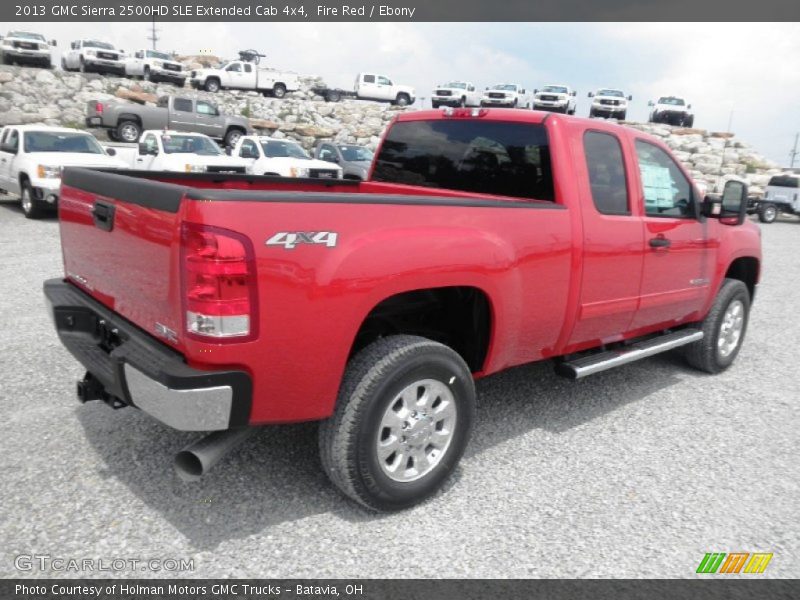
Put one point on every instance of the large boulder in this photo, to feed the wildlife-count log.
(139, 97)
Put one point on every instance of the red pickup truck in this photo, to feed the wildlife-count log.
(483, 239)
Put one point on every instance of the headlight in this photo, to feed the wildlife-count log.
(8, 43)
(195, 168)
(48, 172)
(158, 63)
(298, 172)
(90, 53)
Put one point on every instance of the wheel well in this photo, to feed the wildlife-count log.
(459, 317)
(129, 117)
(744, 269)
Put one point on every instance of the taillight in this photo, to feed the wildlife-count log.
(98, 107)
(219, 284)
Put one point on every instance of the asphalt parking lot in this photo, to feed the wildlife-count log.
(636, 472)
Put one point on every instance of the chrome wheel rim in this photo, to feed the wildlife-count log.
(128, 133)
(730, 331)
(233, 139)
(27, 201)
(769, 213)
(416, 430)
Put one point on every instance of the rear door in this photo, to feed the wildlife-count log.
(181, 116)
(612, 238)
(9, 154)
(368, 88)
(679, 249)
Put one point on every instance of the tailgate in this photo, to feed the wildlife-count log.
(120, 238)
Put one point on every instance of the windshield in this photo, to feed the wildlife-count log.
(456, 85)
(96, 44)
(161, 55)
(55, 141)
(281, 149)
(24, 35)
(356, 153)
(671, 101)
(614, 93)
(190, 144)
(555, 89)
(506, 86)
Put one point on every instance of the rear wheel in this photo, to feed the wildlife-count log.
(232, 137)
(724, 329)
(403, 418)
(129, 131)
(279, 91)
(333, 96)
(767, 212)
(31, 207)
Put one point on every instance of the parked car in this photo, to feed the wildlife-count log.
(671, 110)
(26, 48)
(607, 102)
(264, 155)
(182, 152)
(126, 121)
(781, 196)
(456, 93)
(371, 86)
(152, 65)
(245, 75)
(556, 98)
(222, 303)
(511, 95)
(354, 160)
(32, 158)
(93, 56)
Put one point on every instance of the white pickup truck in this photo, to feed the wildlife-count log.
(33, 156)
(152, 65)
(95, 56)
(607, 102)
(371, 86)
(456, 93)
(511, 95)
(26, 48)
(555, 98)
(245, 75)
(161, 150)
(269, 156)
(672, 110)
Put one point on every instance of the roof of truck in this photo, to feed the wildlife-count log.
(490, 114)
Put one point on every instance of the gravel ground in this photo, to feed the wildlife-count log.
(635, 472)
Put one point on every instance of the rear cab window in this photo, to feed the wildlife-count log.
(485, 157)
(787, 181)
(606, 166)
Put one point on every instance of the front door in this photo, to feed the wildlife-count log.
(209, 120)
(612, 240)
(678, 250)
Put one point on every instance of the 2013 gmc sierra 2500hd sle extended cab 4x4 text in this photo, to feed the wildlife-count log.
(483, 239)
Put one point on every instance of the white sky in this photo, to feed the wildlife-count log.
(750, 69)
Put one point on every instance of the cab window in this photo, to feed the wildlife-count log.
(606, 167)
(667, 191)
(204, 108)
(384, 81)
(150, 143)
(369, 78)
(248, 68)
(327, 153)
(182, 104)
(234, 68)
(249, 149)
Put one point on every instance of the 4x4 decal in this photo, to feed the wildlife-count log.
(291, 239)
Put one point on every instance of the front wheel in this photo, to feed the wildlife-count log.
(212, 85)
(146, 76)
(31, 207)
(402, 100)
(723, 329)
(403, 418)
(767, 212)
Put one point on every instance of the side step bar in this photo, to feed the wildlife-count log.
(589, 365)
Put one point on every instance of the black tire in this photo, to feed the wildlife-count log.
(516, 103)
(128, 131)
(212, 85)
(689, 121)
(622, 115)
(333, 96)
(146, 76)
(402, 100)
(279, 91)
(372, 384)
(434, 105)
(591, 113)
(767, 212)
(82, 66)
(463, 102)
(112, 135)
(6, 60)
(31, 207)
(232, 136)
(706, 354)
(64, 65)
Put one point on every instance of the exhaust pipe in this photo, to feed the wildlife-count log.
(198, 458)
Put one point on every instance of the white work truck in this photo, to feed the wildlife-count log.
(555, 98)
(284, 158)
(32, 158)
(371, 86)
(246, 74)
(608, 102)
(509, 95)
(183, 152)
(94, 56)
(456, 93)
(152, 65)
(26, 48)
(781, 196)
(671, 110)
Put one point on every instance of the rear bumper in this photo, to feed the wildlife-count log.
(136, 369)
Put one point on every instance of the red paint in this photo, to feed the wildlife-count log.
(558, 281)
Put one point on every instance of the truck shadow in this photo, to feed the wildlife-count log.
(276, 477)
(12, 205)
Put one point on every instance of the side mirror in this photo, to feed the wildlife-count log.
(53, 43)
(630, 98)
(486, 88)
(536, 91)
(144, 149)
(522, 91)
(650, 103)
(111, 152)
(573, 93)
(591, 95)
(689, 106)
(731, 207)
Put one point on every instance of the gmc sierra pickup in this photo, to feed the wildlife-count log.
(483, 239)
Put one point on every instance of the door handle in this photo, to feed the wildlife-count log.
(660, 242)
(103, 215)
